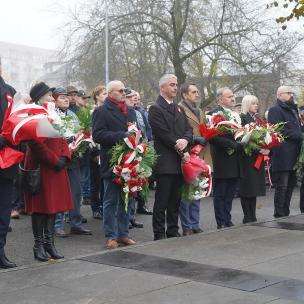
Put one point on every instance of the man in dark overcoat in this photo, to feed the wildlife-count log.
(284, 157)
(7, 177)
(172, 134)
(110, 126)
(225, 158)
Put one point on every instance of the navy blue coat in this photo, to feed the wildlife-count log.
(168, 125)
(284, 157)
(109, 127)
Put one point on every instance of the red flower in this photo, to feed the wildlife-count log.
(209, 133)
(217, 118)
(118, 181)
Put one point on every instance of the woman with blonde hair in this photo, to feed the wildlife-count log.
(252, 180)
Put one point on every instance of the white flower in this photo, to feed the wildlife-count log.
(268, 138)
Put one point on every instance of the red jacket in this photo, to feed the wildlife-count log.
(55, 194)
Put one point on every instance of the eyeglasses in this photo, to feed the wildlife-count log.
(289, 93)
(121, 91)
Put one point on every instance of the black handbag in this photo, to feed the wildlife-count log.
(29, 180)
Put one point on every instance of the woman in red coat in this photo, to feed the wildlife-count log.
(54, 195)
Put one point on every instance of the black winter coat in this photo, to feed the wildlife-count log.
(109, 127)
(252, 180)
(225, 165)
(284, 157)
(5, 90)
(168, 123)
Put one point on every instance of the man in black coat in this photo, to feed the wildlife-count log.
(284, 157)
(110, 126)
(225, 158)
(172, 134)
(7, 177)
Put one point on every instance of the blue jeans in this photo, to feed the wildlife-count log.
(189, 214)
(115, 218)
(85, 175)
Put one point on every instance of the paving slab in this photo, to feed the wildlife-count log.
(288, 266)
(194, 293)
(41, 275)
(227, 253)
(227, 277)
(43, 294)
(290, 289)
(117, 283)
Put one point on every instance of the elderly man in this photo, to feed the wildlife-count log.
(225, 158)
(110, 125)
(172, 134)
(284, 157)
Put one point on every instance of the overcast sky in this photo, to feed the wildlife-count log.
(32, 22)
(36, 23)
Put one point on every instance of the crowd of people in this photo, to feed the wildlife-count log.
(172, 129)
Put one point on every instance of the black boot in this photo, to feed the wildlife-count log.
(246, 210)
(38, 226)
(49, 238)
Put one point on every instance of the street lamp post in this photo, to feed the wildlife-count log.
(107, 42)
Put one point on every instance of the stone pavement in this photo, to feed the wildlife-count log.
(245, 264)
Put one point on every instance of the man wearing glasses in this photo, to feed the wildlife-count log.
(284, 157)
(110, 125)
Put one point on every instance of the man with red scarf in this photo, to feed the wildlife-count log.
(110, 125)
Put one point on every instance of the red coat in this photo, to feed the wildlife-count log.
(55, 194)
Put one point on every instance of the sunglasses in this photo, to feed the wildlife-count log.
(121, 91)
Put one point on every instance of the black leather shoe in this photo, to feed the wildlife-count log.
(177, 234)
(80, 231)
(136, 224)
(6, 263)
(230, 224)
(187, 232)
(97, 215)
(159, 237)
(144, 210)
(197, 230)
(83, 220)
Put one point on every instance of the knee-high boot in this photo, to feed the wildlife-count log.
(38, 221)
(49, 238)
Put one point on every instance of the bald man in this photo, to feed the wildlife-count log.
(284, 157)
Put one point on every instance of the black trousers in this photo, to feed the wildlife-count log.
(284, 182)
(6, 190)
(96, 187)
(223, 194)
(302, 195)
(166, 205)
(249, 209)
